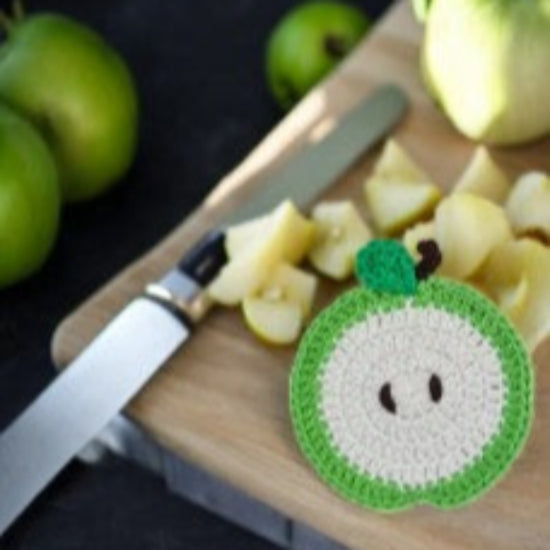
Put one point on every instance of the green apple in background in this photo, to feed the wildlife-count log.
(79, 93)
(29, 198)
(486, 62)
(307, 44)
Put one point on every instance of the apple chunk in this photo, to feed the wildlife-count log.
(467, 228)
(528, 206)
(241, 236)
(484, 177)
(399, 193)
(286, 236)
(286, 215)
(517, 277)
(277, 310)
(340, 233)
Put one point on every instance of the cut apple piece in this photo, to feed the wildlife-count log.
(246, 273)
(339, 233)
(422, 231)
(517, 277)
(285, 235)
(286, 218)
(276, 312)
(272, 322)
(528, 205)
(239, 237)
(394, 161)
(484, 177)
(467, 228)
(396, 204)
(399, 193)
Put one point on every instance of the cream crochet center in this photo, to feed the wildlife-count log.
(423, 440)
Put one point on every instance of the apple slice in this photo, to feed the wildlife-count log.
(256, 246)
(286, 236)
(467, 228)
(340, 233)
(422, 231)
(299, 232)
(276, 311)
(394, 161)
(243, 275)
(399, 193)
(528, 206)
(517, 277)
(484, 177)
(239, 237)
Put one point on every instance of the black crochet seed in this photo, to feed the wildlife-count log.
(436, 388)
(431, 258)
(386, 398)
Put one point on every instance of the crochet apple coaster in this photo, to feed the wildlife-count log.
(410, 390)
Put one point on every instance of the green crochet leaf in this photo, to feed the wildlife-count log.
(385, 266)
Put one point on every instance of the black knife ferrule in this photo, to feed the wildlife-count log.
(203, 262)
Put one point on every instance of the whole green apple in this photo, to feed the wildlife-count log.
(486, 62)
(29, 198)
(79, 93)
(307, 44)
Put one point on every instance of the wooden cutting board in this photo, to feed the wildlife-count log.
(221, 403)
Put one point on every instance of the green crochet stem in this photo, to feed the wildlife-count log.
(357, 305)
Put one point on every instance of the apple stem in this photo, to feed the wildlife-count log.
(6, 22)
(335, 46)
(18, 10)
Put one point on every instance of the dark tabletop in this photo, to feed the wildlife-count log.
(204, 105)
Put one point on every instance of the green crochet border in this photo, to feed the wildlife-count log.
(313, 435)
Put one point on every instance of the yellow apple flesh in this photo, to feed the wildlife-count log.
(399, 193)
(467, 229)
(517, 277)
(484, 177)
(528, 206)
(286, 237)
(277, 310)
(239, 237)
(339, 233)
(287, 218)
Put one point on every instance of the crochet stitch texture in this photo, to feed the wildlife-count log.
(400, 398)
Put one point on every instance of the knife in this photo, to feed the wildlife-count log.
(150, 329)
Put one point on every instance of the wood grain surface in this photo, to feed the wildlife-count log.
(221, 402)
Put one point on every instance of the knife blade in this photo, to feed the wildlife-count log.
(150, 329)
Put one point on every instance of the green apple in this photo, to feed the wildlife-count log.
(29, 198)
(307, 44)
(486, 63)
(79, 93)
